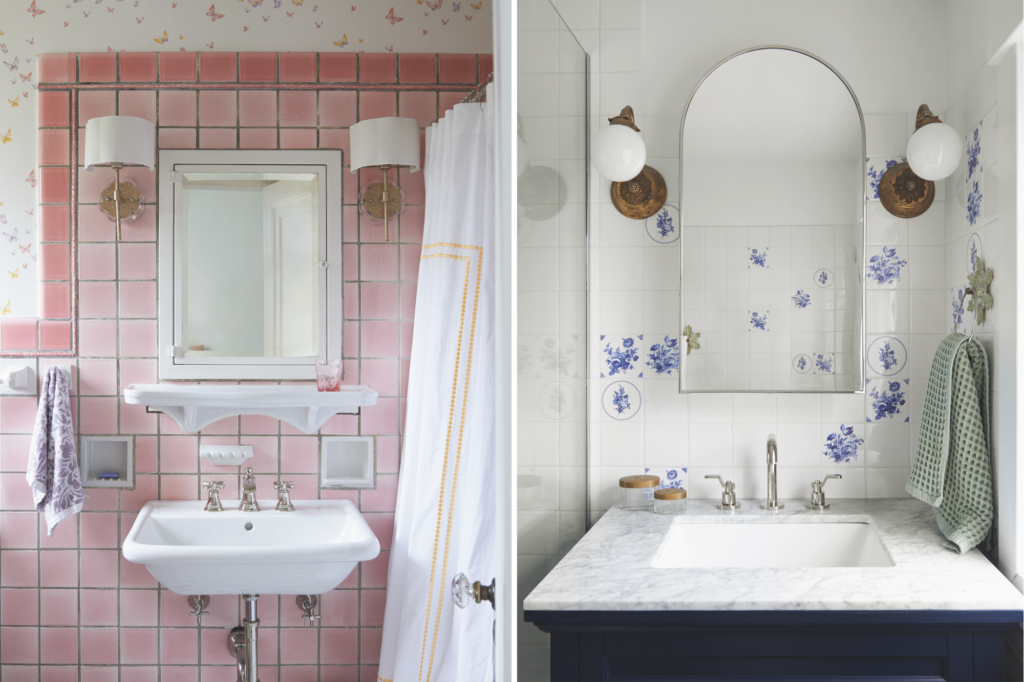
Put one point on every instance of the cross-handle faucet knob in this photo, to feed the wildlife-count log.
(249, 503)
(284, 502)
(213, 503)
(728, 502)
(818, 493)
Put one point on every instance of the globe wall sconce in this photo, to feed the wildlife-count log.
(114, 142)
(638, 191)
(908, 189)
(388, 142)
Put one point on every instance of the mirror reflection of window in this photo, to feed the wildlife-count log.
(250, 259)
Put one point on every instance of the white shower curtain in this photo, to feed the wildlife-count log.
(444, 522)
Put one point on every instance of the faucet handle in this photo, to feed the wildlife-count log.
(213, 504)
(248, 475)
(284, 501)
(213, 485)
(282, 486)
(818, 494)
(728, 502)
(825, 480)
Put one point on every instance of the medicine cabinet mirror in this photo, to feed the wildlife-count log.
(772, 182)
(250, 263)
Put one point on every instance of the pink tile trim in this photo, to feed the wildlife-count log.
(97, 67)
(377, 67)
(54, 335)
(485, 67)
(218, 67)
(417, 68)
(218, 108)
(218, 138)
(57, 68)
(138, 66)
(54, 185)
(257, 138)
(298, 67)
(178, 66)
(298, 108)
(298, 138)
(53, 147)
(17, 333)
(55, 261)
(94, 104)
(53, 109)
(177, 138)
(338, 67)
(257, 67)
(55, 223)
(55, 300)
(457, 68)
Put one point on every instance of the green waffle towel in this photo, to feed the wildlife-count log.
(952, 470)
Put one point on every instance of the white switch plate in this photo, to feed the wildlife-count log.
(226, 455)
(7, 364)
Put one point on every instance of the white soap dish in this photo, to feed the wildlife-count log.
(226, 455)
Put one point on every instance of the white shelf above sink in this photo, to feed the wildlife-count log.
(195, 406)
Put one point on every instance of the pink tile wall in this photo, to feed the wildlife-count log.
(70, 606)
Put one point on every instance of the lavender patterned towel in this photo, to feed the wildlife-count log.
(52, 461)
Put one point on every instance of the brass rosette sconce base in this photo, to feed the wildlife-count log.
(373, 203)
(131, 199)
(641, 197)
(903, 193)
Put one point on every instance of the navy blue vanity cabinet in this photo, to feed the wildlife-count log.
(777, 645)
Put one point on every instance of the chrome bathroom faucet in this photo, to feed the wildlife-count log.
(772, 502)
(249, 503)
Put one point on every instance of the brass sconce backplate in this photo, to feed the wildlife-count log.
(131, 200)
(641, 197)
(903, 193)
(373, 200)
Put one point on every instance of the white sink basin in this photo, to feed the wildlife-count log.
(308, 551)
(770, 545)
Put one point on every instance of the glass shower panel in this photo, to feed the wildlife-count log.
(552, 307)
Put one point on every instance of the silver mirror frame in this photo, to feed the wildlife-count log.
(863, 246)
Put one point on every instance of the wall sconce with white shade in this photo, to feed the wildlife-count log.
(386, 143)
(908, 189)
(114, 142)
(619, 154)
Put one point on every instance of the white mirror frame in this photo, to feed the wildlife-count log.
(325, 163)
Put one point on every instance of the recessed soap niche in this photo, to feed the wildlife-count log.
(106, 455)
(347, 462)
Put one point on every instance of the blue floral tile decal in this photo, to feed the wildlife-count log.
(670, 478)
(557, 400)
(802, 363)
(885, 402)
(841, 446)
(876, 169)
(886, 269)
(758, 258)
(974, 152)
(974, 198)
(887, 355)
(622, 355)
(824, 363)
(975, 171)
(801, 299)
(758, 321)
(824, 278)
(957, 311)
(663, 227)
(621, 400)
(663, 357)
(973, 252)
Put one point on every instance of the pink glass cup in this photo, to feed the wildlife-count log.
(328, 375)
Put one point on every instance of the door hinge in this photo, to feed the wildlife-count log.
(175, 177)
(174, 351)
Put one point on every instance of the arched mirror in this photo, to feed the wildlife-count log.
(772, 183)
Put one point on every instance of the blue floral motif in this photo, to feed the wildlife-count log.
(801, 299)
(973, 152)
(664, 357)
(887, 404)
(664, 225)
(885, 269)
(759, 258)
(670, 478)
(958, 310)
(887, 356)
(974, 204)
(823, 364)
(974, 256)
(759, 322)
(801, 362)
(841, 447)
(621, 359)
(875, 175)
(620, 399)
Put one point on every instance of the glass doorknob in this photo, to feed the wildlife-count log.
(464, 592)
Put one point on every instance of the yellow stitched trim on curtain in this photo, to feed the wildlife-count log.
(447, 447)
(462, 423)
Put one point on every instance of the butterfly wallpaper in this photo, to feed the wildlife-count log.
(29, 28)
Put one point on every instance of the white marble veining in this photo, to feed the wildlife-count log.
(610, 568)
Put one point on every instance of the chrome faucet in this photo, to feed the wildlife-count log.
(249, 503)
(284, 502)
(213, 503)
(772, 503)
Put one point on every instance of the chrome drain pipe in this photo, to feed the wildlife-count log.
(242, 642)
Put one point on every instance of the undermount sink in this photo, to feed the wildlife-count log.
(308, 551)
(771, 545)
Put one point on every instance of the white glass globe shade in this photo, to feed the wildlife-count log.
(619, 153)
(934, 151)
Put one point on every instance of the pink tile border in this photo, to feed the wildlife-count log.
(298, 67)
(257, 67)
(97, 67)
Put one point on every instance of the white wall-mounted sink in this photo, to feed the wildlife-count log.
(308, 551)
(770, 545)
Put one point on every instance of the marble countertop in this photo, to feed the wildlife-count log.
(610, 568)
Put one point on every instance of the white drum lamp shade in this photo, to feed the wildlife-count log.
(119, 139)
(619, 153)
(934, 151)
(388, 141)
